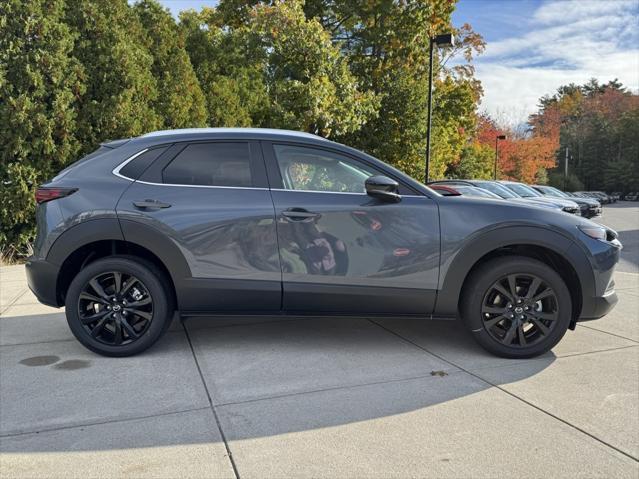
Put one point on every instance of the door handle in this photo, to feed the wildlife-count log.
(299, 214)
(151, 204)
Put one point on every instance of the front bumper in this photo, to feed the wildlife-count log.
(591, 211)
(600, 306)
(42, 279)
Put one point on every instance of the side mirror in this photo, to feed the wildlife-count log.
(383, 188)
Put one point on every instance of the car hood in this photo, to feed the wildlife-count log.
(562, 202)
(532, 202)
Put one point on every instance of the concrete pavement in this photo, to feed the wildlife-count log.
(255, 398)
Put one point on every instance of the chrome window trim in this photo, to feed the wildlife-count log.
(203, 186)
(116, 170)
(341, 193)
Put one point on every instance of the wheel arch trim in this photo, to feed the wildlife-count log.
(478, 246)
(131, 232)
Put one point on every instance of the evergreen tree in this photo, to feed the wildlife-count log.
(121, 89)
(180, 102)
(40, 82)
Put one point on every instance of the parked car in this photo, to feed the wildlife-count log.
(616, 195)
(465, 190)
(603, 198)
(497, 189)
(589, 207)
(632, 196)
(526, 191)
(257, 221)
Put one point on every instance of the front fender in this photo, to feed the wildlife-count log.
(458, 263)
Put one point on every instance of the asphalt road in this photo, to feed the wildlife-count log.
(272, 398)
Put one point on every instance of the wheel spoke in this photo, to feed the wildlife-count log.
(492, 322)
(504, 292)
(117, 338)
(138, 312)
(544, 294)
(97, 287)
(142, 302)
(492, 309)
(510, 334)
(117, 279)
(93, 317)
(540, 326)
(521, 335)
(532, 289)
(129, 329)
(90, 297)
(545, 316)
(512, 284)
(127, 285)
(98, 327)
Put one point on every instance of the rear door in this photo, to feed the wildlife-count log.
(341, 250)
(211, 199)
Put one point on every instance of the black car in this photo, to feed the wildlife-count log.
(589, 206)
(255, 221)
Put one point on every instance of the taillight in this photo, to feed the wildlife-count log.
(44, 194)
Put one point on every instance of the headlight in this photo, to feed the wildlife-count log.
(594, 231)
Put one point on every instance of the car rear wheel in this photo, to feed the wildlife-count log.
(516, 307)
(118, 306)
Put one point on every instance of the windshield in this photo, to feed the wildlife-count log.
(496, 188)
(557, 192)
(473, 191)
(522, 190)
(549, 190)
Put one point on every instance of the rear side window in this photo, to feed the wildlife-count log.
(134, 168)
(211, 164)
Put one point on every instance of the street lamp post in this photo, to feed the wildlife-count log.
(443, 40)
(497, 138)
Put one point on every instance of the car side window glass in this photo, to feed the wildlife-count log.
(211, 164)
(313, 169)
(134, 168)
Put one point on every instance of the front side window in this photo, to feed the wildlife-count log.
(312, 169)
(211, 164)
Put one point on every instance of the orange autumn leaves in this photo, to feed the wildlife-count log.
(521, 156)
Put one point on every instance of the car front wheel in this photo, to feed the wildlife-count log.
(118, 306)
(516, 307)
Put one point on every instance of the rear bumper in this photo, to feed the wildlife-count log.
(42, 278)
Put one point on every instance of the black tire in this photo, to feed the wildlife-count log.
(490, 316)
(138, 323)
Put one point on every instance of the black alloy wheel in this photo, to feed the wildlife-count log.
(115, 308)
(520, 310)
(516, 307)
(119, 305)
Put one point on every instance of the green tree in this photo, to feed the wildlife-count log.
(121, 89)
(476, 162)
(40, 83)
(180, 102)
(309, 82)
(229, 74)
(387, 46)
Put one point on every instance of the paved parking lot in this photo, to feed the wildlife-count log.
(358, 398)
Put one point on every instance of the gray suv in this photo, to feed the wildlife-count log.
(254, 221)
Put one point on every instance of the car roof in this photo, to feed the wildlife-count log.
(273, 132)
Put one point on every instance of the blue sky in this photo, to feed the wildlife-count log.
(535, 46)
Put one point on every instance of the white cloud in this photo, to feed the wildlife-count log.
(567, 41)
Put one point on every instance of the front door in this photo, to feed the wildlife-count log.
(342, 251)
(211, 199)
